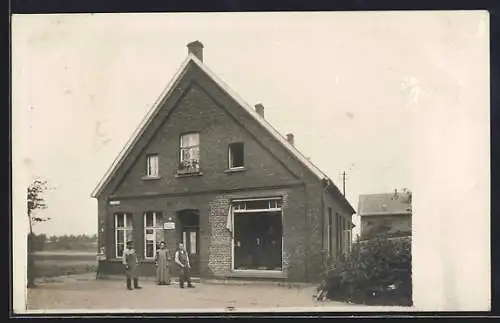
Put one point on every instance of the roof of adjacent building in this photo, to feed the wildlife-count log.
(381, 204)
(167, 91)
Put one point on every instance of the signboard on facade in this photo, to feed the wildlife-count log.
(114, 202)
(169, 225)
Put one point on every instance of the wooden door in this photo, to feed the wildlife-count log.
(190, 239)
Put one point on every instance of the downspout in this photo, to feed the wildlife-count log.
(307, 233)
(323, 226)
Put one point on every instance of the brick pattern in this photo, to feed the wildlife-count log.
(199, 105)
(219, 250)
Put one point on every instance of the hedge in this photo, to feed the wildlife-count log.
(376, 272)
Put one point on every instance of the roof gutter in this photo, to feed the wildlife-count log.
(334, 190)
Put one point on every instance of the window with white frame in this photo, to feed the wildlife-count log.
(189, 153)
(258, 234)
(236, 155)
(124, 225)
(152, 165)
(153, 233)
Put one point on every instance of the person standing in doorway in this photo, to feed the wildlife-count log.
(182, 260)
(162, 262)
(131, 262)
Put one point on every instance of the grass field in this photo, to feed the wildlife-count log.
(60, 263)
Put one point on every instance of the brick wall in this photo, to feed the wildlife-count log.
(219, 259)
(197, 104)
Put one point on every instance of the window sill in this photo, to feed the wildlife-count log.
(150, 178)
(252, 273)
(235, 170)
(181, 174)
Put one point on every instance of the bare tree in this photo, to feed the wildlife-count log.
(35, 201)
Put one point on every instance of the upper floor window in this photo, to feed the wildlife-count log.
(152, 165)
(189, 153)
(236, 155)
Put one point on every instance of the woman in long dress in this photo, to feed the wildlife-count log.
(162, 265)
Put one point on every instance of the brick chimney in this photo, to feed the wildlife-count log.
(196, 48)
(259, 108)
(289, 138)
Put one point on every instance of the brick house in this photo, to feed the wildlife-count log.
(207, 169)
(387, 212)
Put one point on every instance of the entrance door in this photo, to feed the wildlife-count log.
(190, 228)
(191, 243)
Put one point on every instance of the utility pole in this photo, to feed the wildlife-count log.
(343, 183)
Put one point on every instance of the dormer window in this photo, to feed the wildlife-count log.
(189, 153)
(152, 165)
(236, 155)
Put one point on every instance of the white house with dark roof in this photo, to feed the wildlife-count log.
(386, 212)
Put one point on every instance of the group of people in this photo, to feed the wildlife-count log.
(162, 261)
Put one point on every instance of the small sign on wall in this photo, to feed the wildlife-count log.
(114, 202)
(169, 225)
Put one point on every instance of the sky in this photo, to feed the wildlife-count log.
(395, 99)
(345, 84)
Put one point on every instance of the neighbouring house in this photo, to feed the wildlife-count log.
(207, 169)
(385, 213)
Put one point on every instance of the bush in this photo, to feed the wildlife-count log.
(377, 272)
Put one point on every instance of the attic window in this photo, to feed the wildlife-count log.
(152, 165)
(236, 155)
(189, 153)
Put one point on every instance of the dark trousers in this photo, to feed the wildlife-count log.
(184, 276)
(131, 274)
(136, 283)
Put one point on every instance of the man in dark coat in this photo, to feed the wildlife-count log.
(131, 262)
(182, 260)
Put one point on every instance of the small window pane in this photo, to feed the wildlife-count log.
(192, 242)
(159, 220)
(130, 221)
(190, 139)
(119, 251)
(129, 235)
(119, 237)
(120, 220)
(152, 165)
(149, 219)
(159, 236)
(236, 155)
(150, 250)
(251, 205)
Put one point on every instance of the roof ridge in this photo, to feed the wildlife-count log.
(245, 104)
(164, 94)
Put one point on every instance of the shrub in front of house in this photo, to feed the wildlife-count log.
(376, 272)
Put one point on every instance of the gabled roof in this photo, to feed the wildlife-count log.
(384, 204)
(166, 93)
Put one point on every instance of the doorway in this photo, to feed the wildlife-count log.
(190, 230)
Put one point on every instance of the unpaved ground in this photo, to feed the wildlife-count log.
(83, 292)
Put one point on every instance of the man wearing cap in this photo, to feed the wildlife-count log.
(182, 260)
(130, 261)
